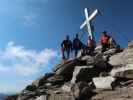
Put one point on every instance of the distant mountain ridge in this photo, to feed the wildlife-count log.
(2, 96)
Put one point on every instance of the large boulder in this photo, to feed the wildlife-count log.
(66, 88)
(100, 61)
(27, 95)
(42, 97)
(43, 80)
(56, 80)
(123, 72)
(110, 51)
(84, 73)
(67, 69)
(64, 62)
(81, 91)
(123, 58)
(31, 88)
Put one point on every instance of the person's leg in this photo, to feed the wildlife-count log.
(76, 52)
(103, 48)
(63, 54)
(88, 51)
(91, 51)
(107, 47)
(68, 54)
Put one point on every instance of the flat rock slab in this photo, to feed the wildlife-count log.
(123, 58)
(103, 82)
(117, 94)
(123, 72)
(56, 97)
(43, 97)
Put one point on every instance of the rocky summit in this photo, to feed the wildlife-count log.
(104, 76)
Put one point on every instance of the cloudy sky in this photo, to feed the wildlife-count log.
(31, 32)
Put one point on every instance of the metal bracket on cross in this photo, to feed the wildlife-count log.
(88, 20)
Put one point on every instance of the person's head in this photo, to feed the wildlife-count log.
(89, 37)
(104, 33)
(67, 37)
(77, 36)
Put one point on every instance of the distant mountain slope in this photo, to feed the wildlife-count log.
(2, 96)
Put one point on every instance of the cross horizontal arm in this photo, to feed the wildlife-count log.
(89, 18)
(93, 15)
(83, 25)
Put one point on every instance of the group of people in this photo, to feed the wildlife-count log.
(67, 46)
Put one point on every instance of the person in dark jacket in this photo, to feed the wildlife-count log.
(77, 45)
(105, 41)
(66, 47)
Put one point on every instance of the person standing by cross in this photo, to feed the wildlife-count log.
(77, 45)
(66, 48)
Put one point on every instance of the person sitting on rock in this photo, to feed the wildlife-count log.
(77, 45)
(105, 41)
(66, 47)
(91, 44)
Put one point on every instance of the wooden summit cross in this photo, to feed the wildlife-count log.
(87, 22)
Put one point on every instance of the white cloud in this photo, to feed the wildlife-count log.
(25, 62)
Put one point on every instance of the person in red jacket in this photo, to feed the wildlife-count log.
(105, 41)
(91, 44)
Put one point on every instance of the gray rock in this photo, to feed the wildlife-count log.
(76, 73)
(86, 73)
(123, 58)
(60, 97)
(66, 88)
(130, 45)
(43, 80)
(86, 57)
(42, 97)
(128, 74)
(103, 82)
(31, 88)
(81, 91)
(27, 96)
(120, 71)
(67, 69)
(98, 49)
(91, 61)
(56, 80)
(57, 67)
(111, 51)
(36, 82)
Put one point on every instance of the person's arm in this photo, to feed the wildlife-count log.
(100, 40)
(62, 44)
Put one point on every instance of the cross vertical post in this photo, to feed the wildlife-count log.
(87, 22)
